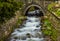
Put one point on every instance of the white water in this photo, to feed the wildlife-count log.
(30, 31)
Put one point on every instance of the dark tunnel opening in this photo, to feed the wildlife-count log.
(36, 12)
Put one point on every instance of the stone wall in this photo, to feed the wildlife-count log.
(8, 27)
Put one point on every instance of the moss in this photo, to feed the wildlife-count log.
(3, 37)
(8, 9)
(51, 7)
(58, 12)
(32, 8)
(54, 35)
(20, 19)
(50, 31)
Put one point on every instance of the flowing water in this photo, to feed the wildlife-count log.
(29, 31)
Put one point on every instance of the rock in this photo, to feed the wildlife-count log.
(28, 35)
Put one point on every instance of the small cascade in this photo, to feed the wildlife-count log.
(29, 31)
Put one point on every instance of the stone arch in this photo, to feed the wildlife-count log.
(35, 5)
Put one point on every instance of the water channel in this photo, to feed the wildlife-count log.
(29, 31)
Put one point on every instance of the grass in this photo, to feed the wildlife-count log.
(49, 31)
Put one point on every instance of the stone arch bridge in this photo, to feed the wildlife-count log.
(37, 3)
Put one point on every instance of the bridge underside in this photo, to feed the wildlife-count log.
(36, 7)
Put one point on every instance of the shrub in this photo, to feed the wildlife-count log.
(58, 12)
(50, 6)
(50, 31)
(8, 8)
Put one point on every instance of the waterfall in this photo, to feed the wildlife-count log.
(29, 31)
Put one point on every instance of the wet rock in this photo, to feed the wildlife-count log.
(37, 30)
(28, 35)
(38, 35)
(19, 31)
(23, 38)
(15, 37)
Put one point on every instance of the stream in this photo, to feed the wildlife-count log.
(29, 31)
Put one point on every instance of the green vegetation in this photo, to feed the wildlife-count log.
(32, 8)
(20, 20)
(58, 12)
(8, 9)
(50, 31)
(51, 7)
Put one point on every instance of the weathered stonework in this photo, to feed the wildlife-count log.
(8, 27)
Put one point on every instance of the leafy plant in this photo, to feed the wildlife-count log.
(58, 12)
(52, 8)
(8, 9)
(50, 31)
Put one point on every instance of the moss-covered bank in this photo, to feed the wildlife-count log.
(7, 28)
(49, 30)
